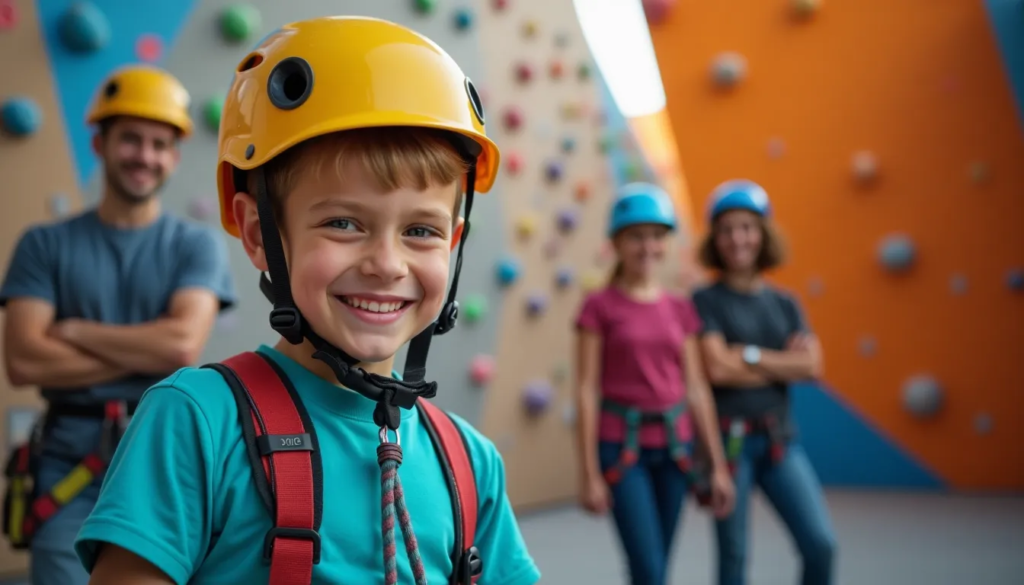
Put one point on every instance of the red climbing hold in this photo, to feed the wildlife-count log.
(513, 118)
(524, 73)
(8, 15)
(149, 48)
(500, 4)
(556, 69)
(514, 163)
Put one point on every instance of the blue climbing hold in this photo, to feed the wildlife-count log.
(896, 252)
(1015, 279)
(83, 28)
(20, 116)
(568, 144)
(564, 277)
(463, 18)
(508, 271)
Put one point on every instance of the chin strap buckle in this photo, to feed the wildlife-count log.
(288, 323)
(448, 318)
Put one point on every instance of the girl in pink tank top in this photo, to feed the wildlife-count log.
(640, 384)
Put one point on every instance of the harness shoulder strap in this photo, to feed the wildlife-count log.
(285, 457)
(458, 471)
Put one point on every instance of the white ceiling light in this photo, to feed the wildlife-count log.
(617, 34)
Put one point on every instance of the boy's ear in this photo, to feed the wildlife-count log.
(248, 219)
(457, 232)
(97, 144)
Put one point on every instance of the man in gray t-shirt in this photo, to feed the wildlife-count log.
(102, 305)
(766, 318)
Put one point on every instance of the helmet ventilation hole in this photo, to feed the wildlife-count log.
(290, 83)
(475, 101)
(250, 62)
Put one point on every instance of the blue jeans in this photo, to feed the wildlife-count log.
(53, 559)
(794, 490)
(647, 504)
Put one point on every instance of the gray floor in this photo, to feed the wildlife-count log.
(884, 539)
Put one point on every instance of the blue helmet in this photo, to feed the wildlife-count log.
(640, 203)
(739, 194)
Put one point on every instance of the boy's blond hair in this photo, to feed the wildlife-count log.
(391, 157)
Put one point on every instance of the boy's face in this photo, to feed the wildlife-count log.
(369, 270)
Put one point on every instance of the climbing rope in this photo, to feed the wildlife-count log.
(389, 457)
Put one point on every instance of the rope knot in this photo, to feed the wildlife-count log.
(389, 452)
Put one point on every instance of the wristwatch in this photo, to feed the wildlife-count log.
(752, 355)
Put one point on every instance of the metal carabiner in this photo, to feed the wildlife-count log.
(383, 435)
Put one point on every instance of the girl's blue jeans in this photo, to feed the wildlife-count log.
(793, 489)
(647, 504)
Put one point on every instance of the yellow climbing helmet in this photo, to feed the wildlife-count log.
(338, 73)
(143, 91)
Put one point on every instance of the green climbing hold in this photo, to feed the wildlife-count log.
(583, 71)
(238, 22)
(605, 144)
(426, 6)
(211, 111)
(474, 307)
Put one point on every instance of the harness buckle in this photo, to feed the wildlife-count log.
(294, 533)
(470, 565)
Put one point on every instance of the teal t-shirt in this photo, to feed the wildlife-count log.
(180, 493)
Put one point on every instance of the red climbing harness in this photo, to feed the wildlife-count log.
(23, 514)
(735, 430)
(285, 456)
(634, 419)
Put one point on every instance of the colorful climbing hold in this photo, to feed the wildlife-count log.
(212, 110)
(983, 423)
(958, 284)
(149, 48)
(513, 118)
(537, 396)
(514, 163)
(582, 191)
(867, 346)
(896, 252)
(481, 370)
(20, 116)
(804, 8)
(524, 73)
(728, 69)
(1015, 279)
(83, 28)
(865, 166)
(529, 29)
(238, 22)
(507, 271)
(463, 18)
(473, 308)
(592, 281)
(567, 220)
(572, 110)
(564, 277)
(526, 226)
(59, 205)
(979, 172)
(536, 303)
(500, 4)
(553, 171)
(605, 144)
(556, 70)
(922, 396)
(8, 15)
(657, 10)
(568, 144)
(583, 71)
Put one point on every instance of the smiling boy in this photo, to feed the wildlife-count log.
(346, 146)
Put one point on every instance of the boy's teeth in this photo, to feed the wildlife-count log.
(374, 306)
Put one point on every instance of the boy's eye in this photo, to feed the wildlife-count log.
(341, 224)
(420, 232)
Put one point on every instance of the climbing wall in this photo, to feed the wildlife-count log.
(546, 102)
(888, 137)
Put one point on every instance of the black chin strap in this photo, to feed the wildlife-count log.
(389, 394)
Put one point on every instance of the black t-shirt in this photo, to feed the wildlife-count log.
(766, 318)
